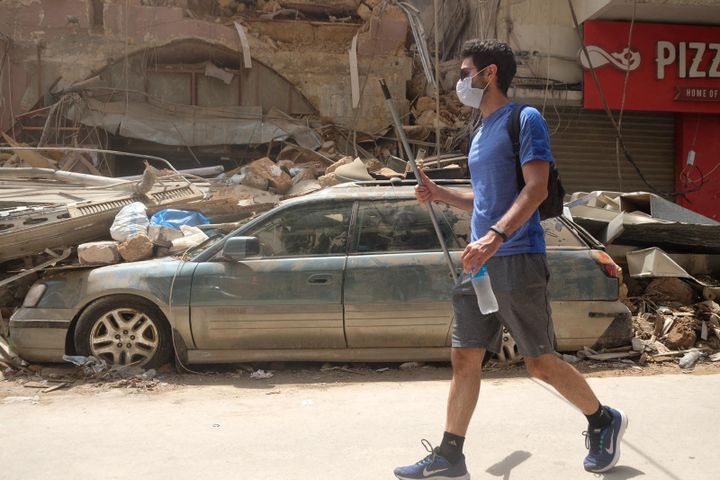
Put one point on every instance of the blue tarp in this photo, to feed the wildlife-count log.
(176, 218)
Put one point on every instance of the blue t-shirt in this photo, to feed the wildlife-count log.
(494, 178)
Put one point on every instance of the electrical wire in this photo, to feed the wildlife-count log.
(624, 96)
(610, 116)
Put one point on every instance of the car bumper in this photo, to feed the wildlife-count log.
(39, 334)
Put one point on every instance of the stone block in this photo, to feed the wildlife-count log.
(136, 248)
(98, 253)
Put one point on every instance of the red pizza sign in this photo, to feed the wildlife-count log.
(670, 68)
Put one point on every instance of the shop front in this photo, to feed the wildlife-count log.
(662, 71)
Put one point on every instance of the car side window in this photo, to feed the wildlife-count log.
(405, 225)
(302, 230)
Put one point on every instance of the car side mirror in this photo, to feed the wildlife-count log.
(239, 248)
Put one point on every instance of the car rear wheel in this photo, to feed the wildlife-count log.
(124, 330)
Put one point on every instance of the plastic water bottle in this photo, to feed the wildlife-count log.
(483, 290)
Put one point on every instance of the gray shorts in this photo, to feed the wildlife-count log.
(520, 284)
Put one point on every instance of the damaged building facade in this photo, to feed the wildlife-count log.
(207, 82)
(192, 79)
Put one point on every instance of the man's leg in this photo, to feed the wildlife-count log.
(606, 425)
(464, 388)
(565, 379)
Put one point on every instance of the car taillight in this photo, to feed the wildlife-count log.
(607, 264)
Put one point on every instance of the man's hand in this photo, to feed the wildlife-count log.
(480, 251)
(429, 191)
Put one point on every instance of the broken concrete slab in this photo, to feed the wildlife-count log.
(99, 253)
(136, 248)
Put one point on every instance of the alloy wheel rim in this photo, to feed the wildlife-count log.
(124, 336)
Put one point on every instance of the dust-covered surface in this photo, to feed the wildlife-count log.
(38, 383)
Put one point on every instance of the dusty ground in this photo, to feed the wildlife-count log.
(304, 424)
(302, 375)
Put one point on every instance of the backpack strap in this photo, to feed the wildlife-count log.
(513, 128)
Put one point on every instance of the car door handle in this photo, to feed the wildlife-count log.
(320, 279)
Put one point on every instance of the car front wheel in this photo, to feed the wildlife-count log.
(124, 331)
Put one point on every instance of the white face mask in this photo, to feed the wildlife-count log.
(467, 94)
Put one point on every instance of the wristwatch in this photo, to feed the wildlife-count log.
(500, 232)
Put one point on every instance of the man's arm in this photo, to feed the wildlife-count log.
(531, 196)
(535, 173)
(431, 192)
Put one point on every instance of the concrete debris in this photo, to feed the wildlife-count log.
(261, 375)
(192, 236)
(354, 171)
(277, 178)
(328, 180)
(672, 290)
(137, 248)
(163, 236)
(410, 365)
(98, 253)
(343, 161)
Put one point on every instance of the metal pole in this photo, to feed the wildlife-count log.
(437, 78)
(411, 160)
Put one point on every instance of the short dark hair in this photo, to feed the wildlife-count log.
(488, 52)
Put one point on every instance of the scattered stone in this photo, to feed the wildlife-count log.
(410, 365)
(424, 104)
(269, 170)
(364, 12)
(250, 179)
(328, 180)
(672, 290)
(429, 119)
(329, 148)
(286, 164)
(136, 248)
(98, 253)
(388, 173)
(261, 375)
(304, 187)
(301, 174)
(682, 334)
(339, 163)
(355, 171)
(638, 345)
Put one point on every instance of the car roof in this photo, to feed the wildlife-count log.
(372, 190)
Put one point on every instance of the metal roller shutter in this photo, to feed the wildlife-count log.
(583, 143)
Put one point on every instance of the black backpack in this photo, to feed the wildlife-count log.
(552, 206)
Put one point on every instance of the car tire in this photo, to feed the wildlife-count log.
(124, 330)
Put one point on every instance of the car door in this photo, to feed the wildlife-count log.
(398, 285)
(290, 296)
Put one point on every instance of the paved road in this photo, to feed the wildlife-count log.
(263, 430)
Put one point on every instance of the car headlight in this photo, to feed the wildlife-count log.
(34, 295)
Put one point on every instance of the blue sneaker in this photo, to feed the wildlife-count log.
(433, 466)
(604, 444)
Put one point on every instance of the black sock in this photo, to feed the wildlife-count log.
(451, 447)
(600, 419)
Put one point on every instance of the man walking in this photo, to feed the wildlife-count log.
(506, 237)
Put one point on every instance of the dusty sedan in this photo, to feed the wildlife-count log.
(351, 273)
